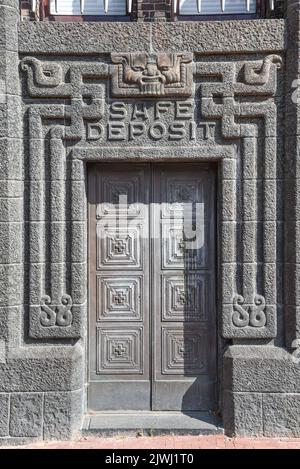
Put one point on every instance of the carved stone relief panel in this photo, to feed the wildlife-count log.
(152, 75)
(84, 109)
(244, 320)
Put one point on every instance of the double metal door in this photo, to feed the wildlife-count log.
(152, 324)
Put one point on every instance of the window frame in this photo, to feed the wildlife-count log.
(261, 10)
(261, 13)
(45, 15)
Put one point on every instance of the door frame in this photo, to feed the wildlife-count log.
(216, 164)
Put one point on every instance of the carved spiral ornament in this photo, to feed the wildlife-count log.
(249, 315)
(59, 315)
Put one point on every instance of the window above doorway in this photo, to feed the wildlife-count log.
(216, 7)
(150, 10)
(90, 7)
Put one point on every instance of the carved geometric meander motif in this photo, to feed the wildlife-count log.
(48, 80)
(152, 75)
(259, 79)
(162, 74)
(260, 75)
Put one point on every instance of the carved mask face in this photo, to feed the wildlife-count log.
(144, 71)
(152, 74)
(138, 63)
(169, 67)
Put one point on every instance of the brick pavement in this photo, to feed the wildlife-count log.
(171, 442)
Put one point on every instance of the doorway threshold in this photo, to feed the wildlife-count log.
(151, 423)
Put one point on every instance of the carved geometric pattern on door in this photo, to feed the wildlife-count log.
(119, 350)
(175, 246)
(119, 299)
(121, 195)
(180, 192)
(183, 297)
(183, 351)
(119, 246)
(152, 327)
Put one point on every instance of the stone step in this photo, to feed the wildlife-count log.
(152, 423)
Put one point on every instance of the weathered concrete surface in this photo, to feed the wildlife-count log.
(200, 37)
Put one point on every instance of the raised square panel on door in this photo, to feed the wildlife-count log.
(122, 192)
(184, 246)
(119, 246)
(120, 299)
(119, 287)
(184, 188)
(119, 350)
(183, 295)
(185, 298)
(184, 351)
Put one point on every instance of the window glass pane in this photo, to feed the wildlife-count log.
(214, 7)
(87, 7)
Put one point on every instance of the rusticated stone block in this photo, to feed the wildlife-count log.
(11, 168)
(220, 36)
(42, 369)
(10, 3)
(4, 414)
(51, 37)
(10, 293)
(62, 414)
(26, 414)
(281, 415)
(243, 414)
(11, 243)
(260, 369)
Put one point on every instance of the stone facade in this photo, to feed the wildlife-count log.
(224, 92)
